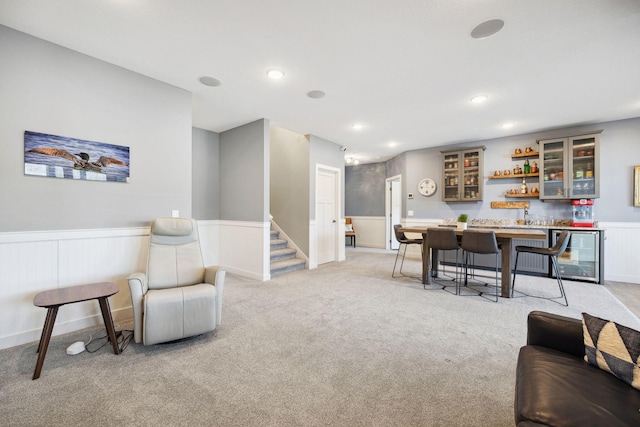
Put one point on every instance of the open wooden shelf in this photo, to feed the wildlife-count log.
(515, 175)
(522, 196)
(523, 155)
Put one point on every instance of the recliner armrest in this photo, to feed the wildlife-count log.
(215, 275)
(138, 285)
(556, 332)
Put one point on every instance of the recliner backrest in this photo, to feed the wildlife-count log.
(174, 258)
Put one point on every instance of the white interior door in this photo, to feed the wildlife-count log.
(394, 208)
(326, 216)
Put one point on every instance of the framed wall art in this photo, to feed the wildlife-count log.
(636, 186)
(64, 157)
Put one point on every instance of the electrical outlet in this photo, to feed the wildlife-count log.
(175, 213)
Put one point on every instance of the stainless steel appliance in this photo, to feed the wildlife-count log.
(583, 258)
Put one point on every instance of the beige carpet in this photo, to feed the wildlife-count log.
(344, 344)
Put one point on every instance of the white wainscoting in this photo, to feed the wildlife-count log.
(621, 252)
(245, 248)
(369, 231)
(31, 262)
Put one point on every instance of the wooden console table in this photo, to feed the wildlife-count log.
(54, 298)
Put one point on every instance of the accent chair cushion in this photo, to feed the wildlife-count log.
(613, 348)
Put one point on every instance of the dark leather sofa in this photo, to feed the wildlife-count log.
(556, 387)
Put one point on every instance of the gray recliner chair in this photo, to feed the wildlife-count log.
(177, 297)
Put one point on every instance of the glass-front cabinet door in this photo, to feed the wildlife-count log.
(570, 167)
(472, 175)
(451, 176)
(553, 164)
(462, 175)
(584, 166)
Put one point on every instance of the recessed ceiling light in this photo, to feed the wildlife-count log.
(356, 162)
(487, 28)
(479, 99)
(392, 144)
(507, 125)
(357, 126)
(209, 81)
(315, 94)
(275, 73)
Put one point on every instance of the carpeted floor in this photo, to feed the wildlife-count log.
(343, 344)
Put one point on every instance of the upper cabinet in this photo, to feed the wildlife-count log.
(570, 167)
(462, 175)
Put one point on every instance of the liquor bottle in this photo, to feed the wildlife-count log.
(527, 167)
(523, 187)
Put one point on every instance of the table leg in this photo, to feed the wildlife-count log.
(425, 261)
(108, 323)
(52, 312)
(433, 273)
(506, 267)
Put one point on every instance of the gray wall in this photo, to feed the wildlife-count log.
(50, 89)
(366, 185)
(205, 181)
(244, 172)
(620, 151)
(327, 153)
(289, 201)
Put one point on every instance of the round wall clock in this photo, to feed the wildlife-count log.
(427, 187)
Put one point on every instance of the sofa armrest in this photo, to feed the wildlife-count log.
(556, 332)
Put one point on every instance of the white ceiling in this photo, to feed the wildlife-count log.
(405, 69)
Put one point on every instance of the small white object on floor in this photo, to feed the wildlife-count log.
(76, 348)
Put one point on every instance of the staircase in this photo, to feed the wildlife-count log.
(283, 258)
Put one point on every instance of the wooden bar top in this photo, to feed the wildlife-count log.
(510, 233)
(71, 294)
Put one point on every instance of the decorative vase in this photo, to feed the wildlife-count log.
(462, 226)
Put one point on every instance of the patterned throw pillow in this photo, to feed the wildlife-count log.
(348, 227)
(612, 347)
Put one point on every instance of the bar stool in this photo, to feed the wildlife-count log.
(553, 252)
(403, 240)
(480, 242)
(444, 239)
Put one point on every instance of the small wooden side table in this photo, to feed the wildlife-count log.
(54, 298)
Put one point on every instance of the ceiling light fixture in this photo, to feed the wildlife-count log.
(487, 29)
(209, 81)
(507, 125)
(275, 73)
(479, 99)
(357, 126)
(356, 162)
(393, 144)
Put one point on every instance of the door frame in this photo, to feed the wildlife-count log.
(339, 237)
(389, 235)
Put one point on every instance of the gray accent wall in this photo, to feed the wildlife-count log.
(205, 178)
(244, 172)
(366, 184)
(289, 201)
(50, 89)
